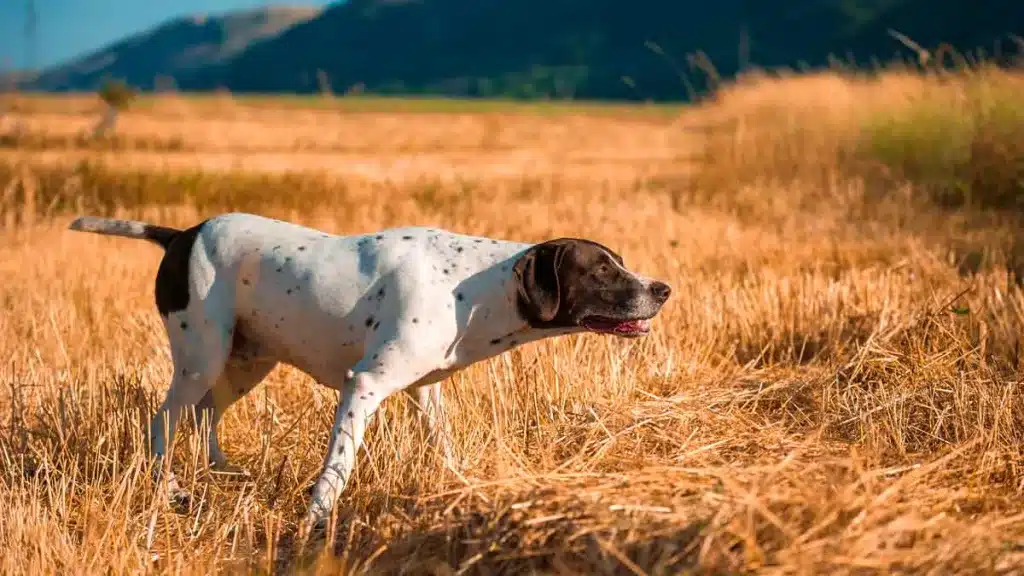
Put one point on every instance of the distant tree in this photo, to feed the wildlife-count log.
(117, 95)
(325, 83)
(9, 87)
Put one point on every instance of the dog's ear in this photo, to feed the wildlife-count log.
(536, 273)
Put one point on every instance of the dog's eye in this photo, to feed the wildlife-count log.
(602, 269)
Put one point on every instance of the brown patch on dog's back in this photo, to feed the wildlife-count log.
(162, 235)
(172, 276)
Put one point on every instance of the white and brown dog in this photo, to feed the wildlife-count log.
(367, 315)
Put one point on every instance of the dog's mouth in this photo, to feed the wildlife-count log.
(627, 328)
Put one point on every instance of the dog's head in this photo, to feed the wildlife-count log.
(574, 283)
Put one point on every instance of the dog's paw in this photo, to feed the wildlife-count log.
(312, 527)
(179, 499)
(229, 471)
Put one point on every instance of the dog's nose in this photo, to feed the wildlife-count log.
(661, 290)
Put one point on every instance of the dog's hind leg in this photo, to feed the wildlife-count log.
(240, 376)
(200, 346)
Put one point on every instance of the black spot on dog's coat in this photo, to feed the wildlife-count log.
(184, 325)
(369, 321)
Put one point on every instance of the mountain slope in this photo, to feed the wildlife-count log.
(586, 48)
(173, 49)
(480, 47)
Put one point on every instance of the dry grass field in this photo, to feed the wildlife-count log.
(833, 387)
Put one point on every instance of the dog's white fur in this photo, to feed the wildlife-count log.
(366, 315)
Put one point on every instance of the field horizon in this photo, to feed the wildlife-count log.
(832, 388)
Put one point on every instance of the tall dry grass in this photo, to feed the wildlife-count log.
(832, 388)
(958, 137)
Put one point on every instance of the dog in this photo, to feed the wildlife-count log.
(367, 315)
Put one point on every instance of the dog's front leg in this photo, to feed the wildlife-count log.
(359, 401)
(387, 370)
(431, 405)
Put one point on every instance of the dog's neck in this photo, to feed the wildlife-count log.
(494, 323)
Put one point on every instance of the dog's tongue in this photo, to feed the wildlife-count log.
(625, 327)
(631, 326)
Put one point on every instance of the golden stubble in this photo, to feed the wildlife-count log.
(821, 394)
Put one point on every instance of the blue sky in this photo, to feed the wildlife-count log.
(66, 29)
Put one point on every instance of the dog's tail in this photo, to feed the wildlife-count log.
(160, 235)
